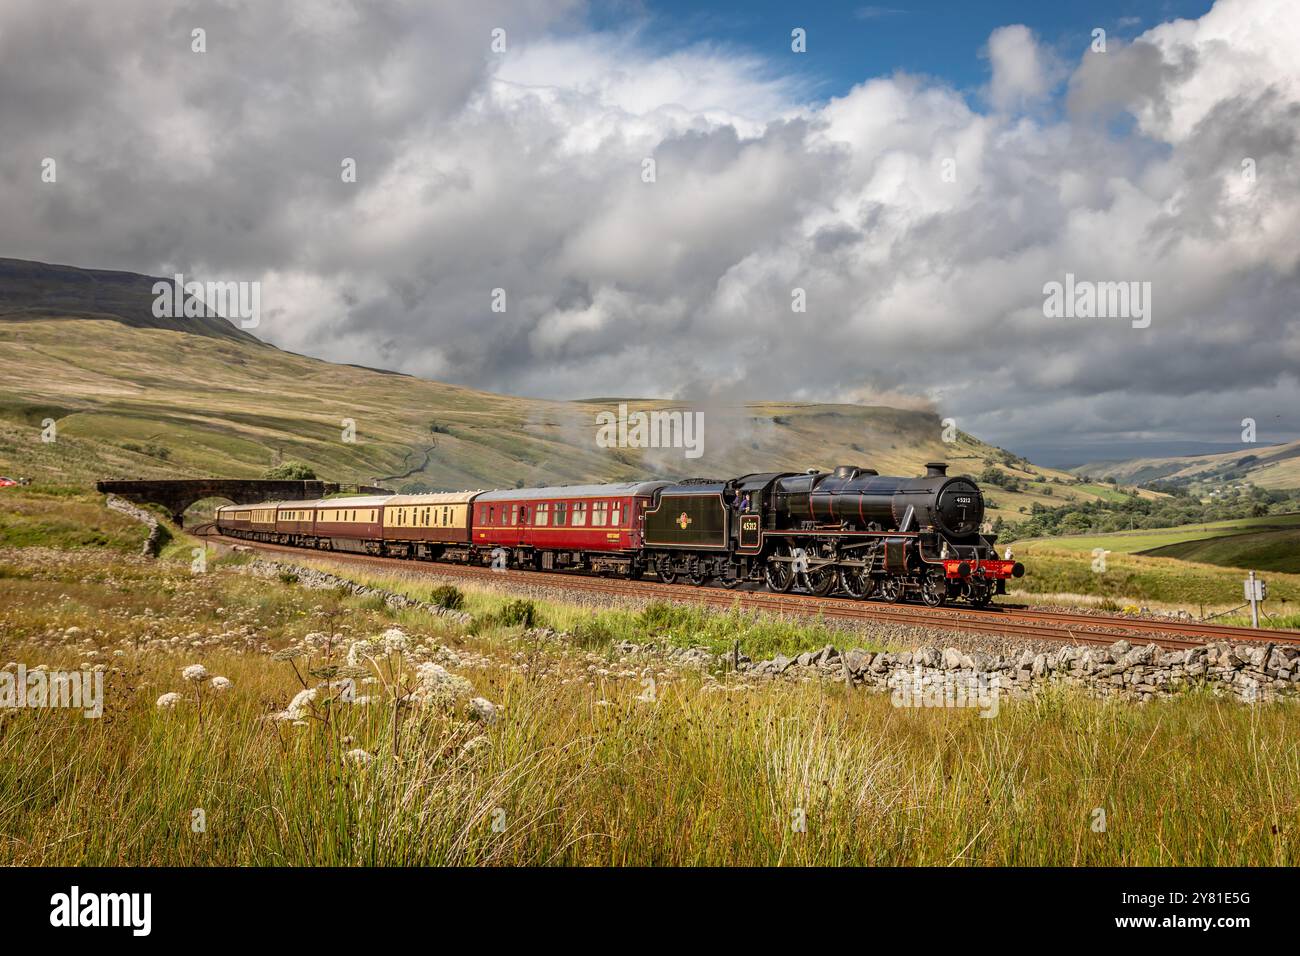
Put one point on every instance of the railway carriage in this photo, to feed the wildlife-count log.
(429, 526)
(295, 522)
(596, 527)
(351, 524)
(237, 518)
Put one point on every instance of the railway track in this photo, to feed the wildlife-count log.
(1022, 622)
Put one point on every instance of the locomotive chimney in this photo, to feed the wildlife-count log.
(936, 469)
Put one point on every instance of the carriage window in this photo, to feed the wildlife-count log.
(599, 513)
(514, 514)
(579, 514)
(446, 515)
(560, 508)
(615, 511)
(523, 514)
(542, 515)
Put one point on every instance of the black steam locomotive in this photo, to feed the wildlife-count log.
(851, 530)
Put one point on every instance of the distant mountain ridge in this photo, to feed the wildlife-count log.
(1269, 466)
(44, 290)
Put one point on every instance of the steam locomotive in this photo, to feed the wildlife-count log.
(850, 531)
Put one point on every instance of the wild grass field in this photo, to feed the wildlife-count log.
(594, 756)
(1274, 550)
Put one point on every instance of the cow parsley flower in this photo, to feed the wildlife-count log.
(222, 683)
(168, 701)
(361, 651)
(297, 706)
(195, 672)
(438, 685)
(482, 710)
(395, 640)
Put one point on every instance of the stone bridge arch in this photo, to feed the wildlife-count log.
(177, 495)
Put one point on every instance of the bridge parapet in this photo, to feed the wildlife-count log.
(177, 495)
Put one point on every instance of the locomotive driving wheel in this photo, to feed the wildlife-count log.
(664, 568)
(697, 572)
(891, 589)
(819, 580)
(778, 573)
(934, 590)
(857, 582)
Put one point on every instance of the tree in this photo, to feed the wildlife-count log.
(290, 471)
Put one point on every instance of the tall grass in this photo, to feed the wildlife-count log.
(582, 767)
(698, 777)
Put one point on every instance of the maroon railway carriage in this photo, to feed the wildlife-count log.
(568, 526)
(351, 524)
(295, 521)
(235, 518)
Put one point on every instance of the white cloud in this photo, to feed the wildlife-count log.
(1022, 70)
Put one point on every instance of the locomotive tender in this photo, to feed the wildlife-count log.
(851, 531)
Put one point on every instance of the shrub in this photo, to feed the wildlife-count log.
(448, 596)
(290, 471)
(522, 613)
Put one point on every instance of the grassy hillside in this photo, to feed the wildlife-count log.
(1152, 540)
(141, 402)
(1269, 466)
(1260, 550)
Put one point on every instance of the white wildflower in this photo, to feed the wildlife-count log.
(470, 747)
(195, 672)
(361, 651)
(297, 706)
(222, 683)
(438, 685)
(395, 640)
(445, 656)
(168, 701)
(482, 709)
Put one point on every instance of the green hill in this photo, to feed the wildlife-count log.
(1276, 550)
(1269, 466)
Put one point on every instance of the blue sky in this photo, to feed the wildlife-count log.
(852, 41)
